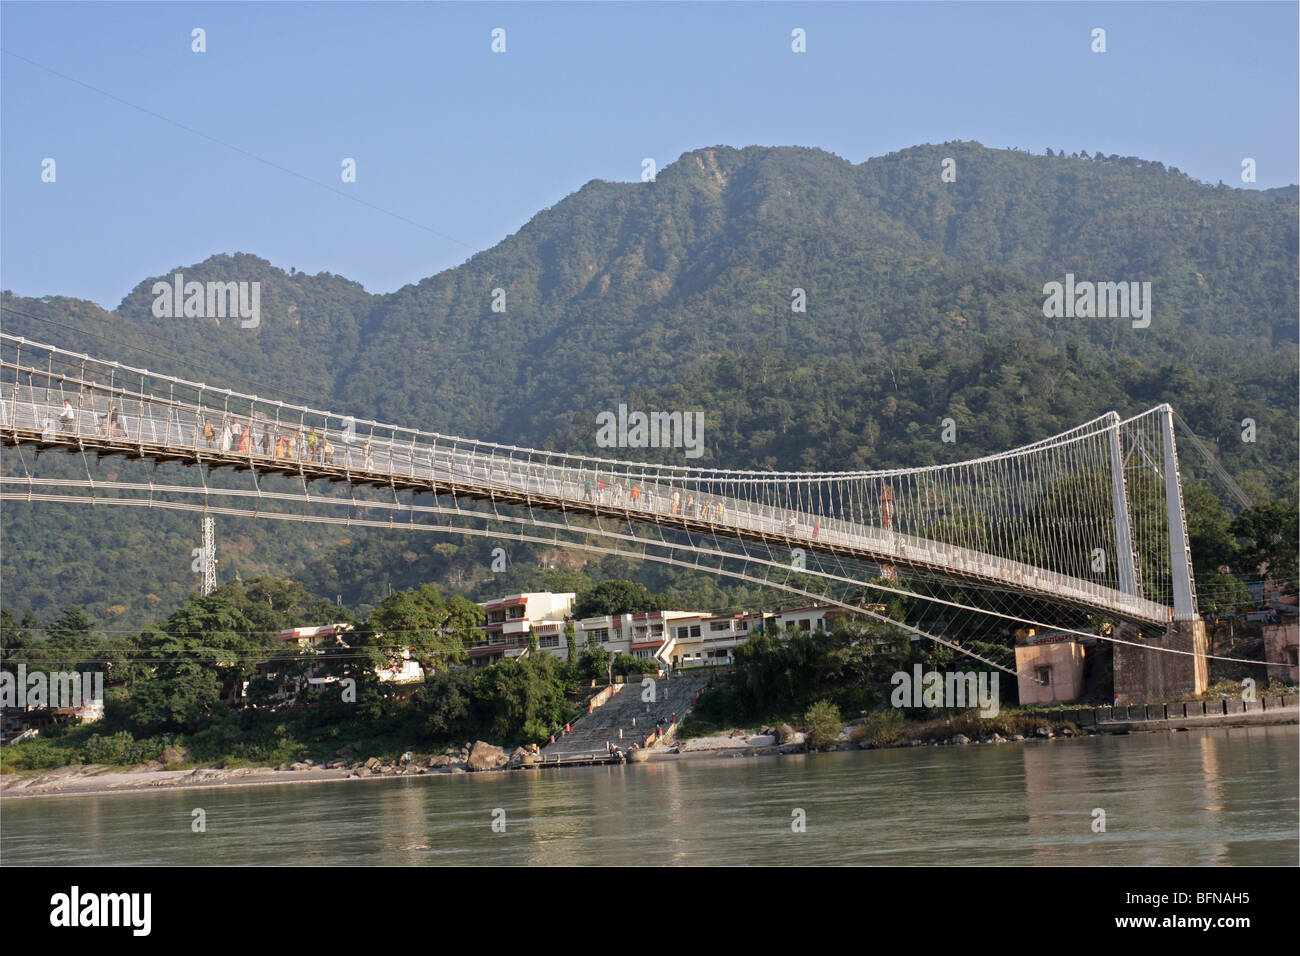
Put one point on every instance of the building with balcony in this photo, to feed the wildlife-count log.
(710, 638)
(509, 621)
(642, 635)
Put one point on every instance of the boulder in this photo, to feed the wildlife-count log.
(865, 743)
(1043, 732)
(784, 733)
(372, 763)
(761, 740)
(959, 739)
(301, 765)
(1067, 732)
(484, 756)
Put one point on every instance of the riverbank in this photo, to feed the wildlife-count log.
(96, 780)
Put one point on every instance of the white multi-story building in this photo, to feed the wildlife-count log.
(509, 621)
(711, 638)
(641, 635)
(404, 670)
(820, 617)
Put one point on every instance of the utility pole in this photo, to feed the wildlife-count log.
(209, 557)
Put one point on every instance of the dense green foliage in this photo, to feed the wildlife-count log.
(618, 597)
(178, 683)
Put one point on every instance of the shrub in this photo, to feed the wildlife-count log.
(35, 755)
(884, 727)
(822, 723)
(110, 749)
(534, 731)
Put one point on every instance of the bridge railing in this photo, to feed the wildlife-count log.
(168, 424)
(70, 397)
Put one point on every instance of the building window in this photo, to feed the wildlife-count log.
(1044, 674)
(719, 625)
(805, 624)
(695, 631)
(552, 641)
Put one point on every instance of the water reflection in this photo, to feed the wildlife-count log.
(1210, 797)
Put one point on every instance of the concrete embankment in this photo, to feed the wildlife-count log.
(1183, 715)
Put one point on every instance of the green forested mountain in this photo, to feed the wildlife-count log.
(924, 300)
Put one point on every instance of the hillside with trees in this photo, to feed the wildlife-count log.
(923, 300)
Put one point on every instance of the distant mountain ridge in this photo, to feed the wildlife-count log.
(920, 293)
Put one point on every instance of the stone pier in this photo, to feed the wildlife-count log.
(1142, 675)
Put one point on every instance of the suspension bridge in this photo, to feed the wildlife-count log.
(1091, 519)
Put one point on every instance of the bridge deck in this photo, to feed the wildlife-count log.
(154, 429)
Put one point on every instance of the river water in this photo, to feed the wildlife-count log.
(1226, 796)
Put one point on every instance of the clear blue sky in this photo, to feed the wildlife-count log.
(469, 145)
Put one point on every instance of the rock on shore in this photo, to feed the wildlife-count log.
(484, 756)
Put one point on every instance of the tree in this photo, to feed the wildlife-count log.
(436, 631)
(447, 701)
(617, 597)
(594, 662)
(571, 642)
(628, 664)
(1268, 535)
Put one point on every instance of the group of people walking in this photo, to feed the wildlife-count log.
(644, 498)
(108, 424)
(293, 444)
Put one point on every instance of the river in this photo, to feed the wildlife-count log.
(1223, 796)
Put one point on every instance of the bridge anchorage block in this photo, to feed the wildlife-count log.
(1141, 675)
